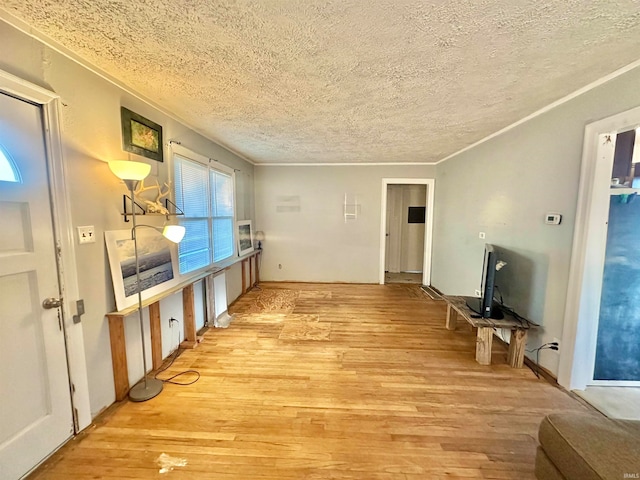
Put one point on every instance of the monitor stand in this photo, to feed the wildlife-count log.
(475, 304)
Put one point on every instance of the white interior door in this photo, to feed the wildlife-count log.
(35, 404)
(412, 245)
(394, 228)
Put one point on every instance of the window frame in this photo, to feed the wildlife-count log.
(211, 165)
(213, 191)
(8, 162)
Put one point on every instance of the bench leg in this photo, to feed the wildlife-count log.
(517, 346)
(189, 318)
(452, 318)
(118, 356)
(483, 345)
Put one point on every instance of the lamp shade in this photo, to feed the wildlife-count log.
(126, 170)
(259, 236)
(175, 233)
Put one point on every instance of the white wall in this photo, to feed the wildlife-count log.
(315, 244)
(505, 186)
(91, 136)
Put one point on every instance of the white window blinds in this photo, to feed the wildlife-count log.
(205, 195)
(222, 214)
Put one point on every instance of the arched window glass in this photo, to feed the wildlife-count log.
(8, 170)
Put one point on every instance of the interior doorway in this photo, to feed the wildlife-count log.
(406, 207)
(617, 357)
(585, 337)
(406, 230)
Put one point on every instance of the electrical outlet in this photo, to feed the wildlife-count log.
(557, 340)
(477, 293)
(481, 235)
(87, 234)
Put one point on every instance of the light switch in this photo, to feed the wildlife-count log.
(86, 234)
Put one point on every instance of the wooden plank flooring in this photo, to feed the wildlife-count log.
(321, 381)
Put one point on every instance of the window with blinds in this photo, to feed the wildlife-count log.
(205, 195)
(221, 214)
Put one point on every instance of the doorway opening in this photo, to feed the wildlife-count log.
(601, 327)
(406, 230)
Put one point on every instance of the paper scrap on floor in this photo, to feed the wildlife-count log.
(168, 463)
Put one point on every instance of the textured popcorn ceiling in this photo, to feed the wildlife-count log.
(346, 80)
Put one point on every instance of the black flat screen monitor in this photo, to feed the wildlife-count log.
(485, 305)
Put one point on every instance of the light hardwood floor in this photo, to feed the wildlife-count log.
(322, 381)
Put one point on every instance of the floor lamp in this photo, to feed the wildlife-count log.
(131, 173)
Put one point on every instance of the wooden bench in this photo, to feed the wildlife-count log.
(486, 326)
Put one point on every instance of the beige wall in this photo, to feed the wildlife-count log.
(315, 244)
(90, 117)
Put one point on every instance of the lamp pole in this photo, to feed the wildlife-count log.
(149, 388)
(132, 172)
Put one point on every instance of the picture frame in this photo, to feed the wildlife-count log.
(141, 136)
(245, 237)
(157, 258)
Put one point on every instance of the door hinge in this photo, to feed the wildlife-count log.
(76, 424)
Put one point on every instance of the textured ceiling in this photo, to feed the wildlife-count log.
(348, 80)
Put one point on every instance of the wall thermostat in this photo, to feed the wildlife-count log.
(552, 218)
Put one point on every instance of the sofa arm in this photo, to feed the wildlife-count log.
(591, 447)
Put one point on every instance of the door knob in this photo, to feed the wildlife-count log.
(52, 302)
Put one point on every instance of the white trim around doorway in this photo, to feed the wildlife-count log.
(428, 226)
(576, 366)
(63, 229)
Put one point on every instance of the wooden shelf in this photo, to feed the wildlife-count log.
(224, 265)
(116, 318)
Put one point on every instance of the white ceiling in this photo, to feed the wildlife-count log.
(285, 81)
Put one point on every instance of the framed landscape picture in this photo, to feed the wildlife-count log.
(245, 237)
(157, 259)
(140, 135)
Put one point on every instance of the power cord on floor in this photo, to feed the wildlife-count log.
(173, 357)
(549, 346)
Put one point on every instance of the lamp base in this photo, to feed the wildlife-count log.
(141, 392)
